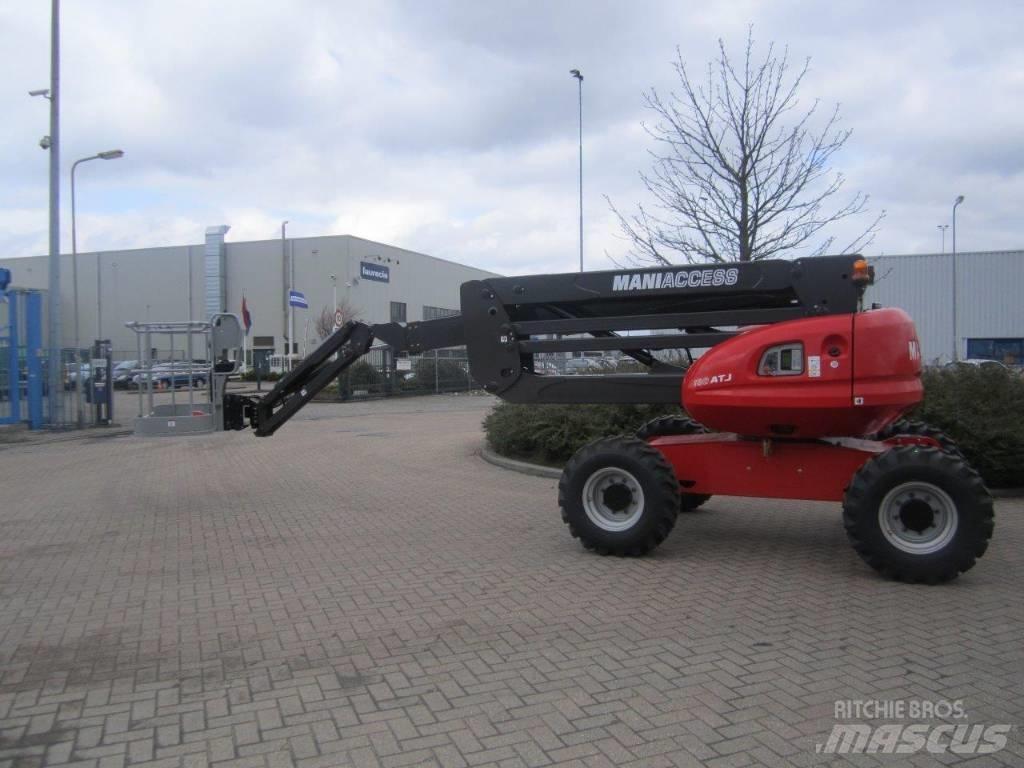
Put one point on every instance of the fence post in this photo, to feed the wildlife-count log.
(13, 364)
(33, 345)
(436, 388)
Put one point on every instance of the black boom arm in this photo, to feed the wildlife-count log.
(506, 321)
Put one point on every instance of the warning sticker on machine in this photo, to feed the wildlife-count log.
(814, 366)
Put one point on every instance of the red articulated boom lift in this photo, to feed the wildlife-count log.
(800, 395)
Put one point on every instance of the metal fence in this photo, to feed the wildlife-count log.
(381, 374)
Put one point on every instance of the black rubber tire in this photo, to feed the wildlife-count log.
(670, 425)
(886, 471)
(656, 479)
(919, 429)
(676, 425)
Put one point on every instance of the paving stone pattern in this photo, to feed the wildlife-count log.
(363, 590)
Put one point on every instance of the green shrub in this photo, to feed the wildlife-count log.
(982, 409)
(450, 374)
(361, 376)
(250, 375)
(551, 434)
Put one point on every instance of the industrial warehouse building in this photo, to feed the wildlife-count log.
(984, 321)
(381, 282)
(385, 283)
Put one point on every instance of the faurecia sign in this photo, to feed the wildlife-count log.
(377, 272)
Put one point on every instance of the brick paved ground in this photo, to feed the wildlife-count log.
(363, 590)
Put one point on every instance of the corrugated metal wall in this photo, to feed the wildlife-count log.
(990, 296)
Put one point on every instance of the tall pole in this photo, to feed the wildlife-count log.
(943, 228)
(79, 379)
(284, 286)
(291, 328)
(99, 299)
(56, 387)
(956, 335)
(111, 154)
(579, 77)
(245, 335)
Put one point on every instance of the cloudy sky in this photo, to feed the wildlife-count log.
(451, 127)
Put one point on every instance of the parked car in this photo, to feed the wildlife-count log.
(73, 372)
(978, 361)
(582, 365)
(123, 373)
(173, 375)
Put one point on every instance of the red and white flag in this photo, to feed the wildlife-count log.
(246, 317)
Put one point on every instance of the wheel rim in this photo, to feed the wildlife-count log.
(613, 499)
(919, 518)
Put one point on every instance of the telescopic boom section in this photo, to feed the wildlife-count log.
(506, 321)
(340, 350)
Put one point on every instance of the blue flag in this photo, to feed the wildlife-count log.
(297, 299)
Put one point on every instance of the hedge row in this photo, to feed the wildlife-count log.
(550, 434)
(982, 408)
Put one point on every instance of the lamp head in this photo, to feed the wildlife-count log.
(44, 92)
(959, 199)
(576, 73)
(111, 154)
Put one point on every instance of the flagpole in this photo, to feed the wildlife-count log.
(245, 323)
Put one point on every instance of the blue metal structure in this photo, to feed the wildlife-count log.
(21, 364)
(34, 357)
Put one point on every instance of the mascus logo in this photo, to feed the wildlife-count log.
(692, 278)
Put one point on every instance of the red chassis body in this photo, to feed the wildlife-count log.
(796, 434)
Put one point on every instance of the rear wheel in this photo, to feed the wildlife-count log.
(676, 425)
(619, 496)
(918, 514)
(919, 429)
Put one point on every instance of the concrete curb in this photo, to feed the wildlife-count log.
(488, 455)
(44, 437)
(1006, 493)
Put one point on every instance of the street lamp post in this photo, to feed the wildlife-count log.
(285, 285)
(51, 143)
(956, 337)
(943, 228)
(579, 77)
(110, 154)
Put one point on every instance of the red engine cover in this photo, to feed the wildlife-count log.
(857, 373)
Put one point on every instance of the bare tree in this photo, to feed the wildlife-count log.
(325, 320)
(739, 172)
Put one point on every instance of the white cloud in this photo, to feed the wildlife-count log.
(450, 128)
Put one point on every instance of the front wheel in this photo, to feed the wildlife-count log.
(619, 496)
(918, 514)
(676, 425)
